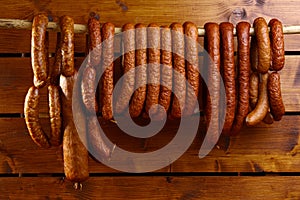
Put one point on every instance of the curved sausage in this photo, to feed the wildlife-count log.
(243, 37)
(88, 89)
(55, 114)
(39, 58)
(67, 45)
(262, 106)
(153, 37)
(108, 31)
(95, 48)
(192, 67)
(179, 80)
(277, 44)
(212, 40)
(31, 111)
(128, 68)
(166, 71)
(228, 72)
(275, 99)
(139, 96)
(263, 44)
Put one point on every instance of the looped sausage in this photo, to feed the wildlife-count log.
(277, 44)
(228, 73)
(39, 50)
(95, 48)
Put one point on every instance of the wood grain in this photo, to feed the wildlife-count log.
(262, 148)
(157, 187)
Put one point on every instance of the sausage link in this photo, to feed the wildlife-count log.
(88, 89)
(108, 31)
(263, 44)
(153, 37)
(67, 46)
(56, 68)
(166, 71)
(228, 72)
(139, 96)
(192, 67)
(128, 68)
(262, 106)
(55, 114)
(96, 144)
(212, 39)
(39, 59)
(275, 99)
(95, 47)
(179, 86)
(277, 44)
(243, 37)
(31, 111)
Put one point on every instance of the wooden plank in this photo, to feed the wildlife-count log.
(16, 77)
(262, 148)
(145, 187)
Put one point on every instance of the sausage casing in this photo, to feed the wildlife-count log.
(95, 46)
(31, 111)
(88, 89)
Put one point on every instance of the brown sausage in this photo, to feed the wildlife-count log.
(31, 111)
(88, 89)
(179, 80)
(108, 31)
(67, 45)
(95, 47)
(192, 67)
(228, 72)
(212, 39)
(243, 37)
(75, 154)
(153, 37)
(56, 67)
(262, 106)
(166, 71)
(263, 44)
(275, 99)
(128, 68)
(139, 96)
(55, 115)
(253, 89)
(96, 144)
(39, 58)
(277, 44)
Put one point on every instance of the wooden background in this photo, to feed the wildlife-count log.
(261, 163)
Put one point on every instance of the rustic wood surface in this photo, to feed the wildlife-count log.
(226, 173)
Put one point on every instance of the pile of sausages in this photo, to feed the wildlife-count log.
(159, 60)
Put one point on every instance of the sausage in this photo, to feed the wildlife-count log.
(96, 144)
(275, 99)
(88, 90)
(75, 155)
(192, 67)
(212, 39)
(166, 71)
(139, 96)
(39, 58)
(128, 68)
(95, 47)
(277, 44)
(108, 31)
(55, 70)
(67, 45)
(153, 36)
(55, 114)
(243, 37)
(31, 111)
(263, 44)
(179, 80)
(228, 72)
(253, 92)
(262, 106)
